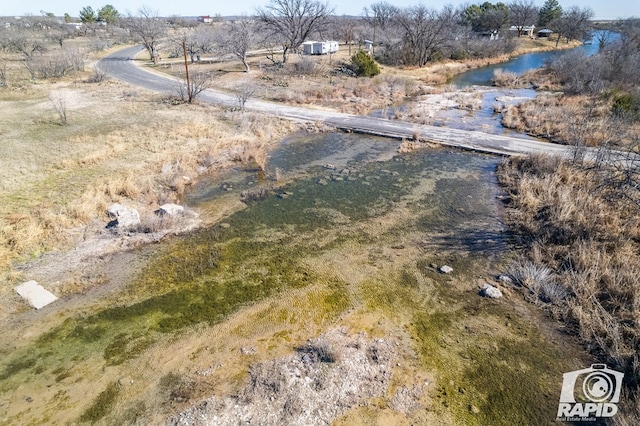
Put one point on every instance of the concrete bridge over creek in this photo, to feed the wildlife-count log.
(122, 66)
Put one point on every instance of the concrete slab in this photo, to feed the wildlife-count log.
(36, 295)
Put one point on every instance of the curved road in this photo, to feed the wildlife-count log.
(120, 65)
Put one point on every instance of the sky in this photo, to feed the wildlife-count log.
(603, 9)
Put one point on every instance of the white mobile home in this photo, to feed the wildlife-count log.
(307, 47)
(319, 47)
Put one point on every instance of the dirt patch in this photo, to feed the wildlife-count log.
(321, 381)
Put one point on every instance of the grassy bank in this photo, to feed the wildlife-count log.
(579, 229)
(120, 145)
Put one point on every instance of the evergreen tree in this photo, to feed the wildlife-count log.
(108, 14)
(486, 17)
(550, 11)
(88, 15)
(364, 65)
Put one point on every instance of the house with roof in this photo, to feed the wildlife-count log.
(527, 30)
(205, 19)
(545, 33)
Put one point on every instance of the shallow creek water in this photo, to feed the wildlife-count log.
(350, 225)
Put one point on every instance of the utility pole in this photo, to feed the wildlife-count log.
(186, 69)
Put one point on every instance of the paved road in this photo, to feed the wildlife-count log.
(120, 65)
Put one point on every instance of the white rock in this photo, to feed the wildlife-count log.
(114, 210)
(36, 295)
(490, 291)
(125, 217)
(170, 209)
(446, 269)
(505, 279)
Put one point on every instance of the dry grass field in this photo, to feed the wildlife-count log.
(120, 145)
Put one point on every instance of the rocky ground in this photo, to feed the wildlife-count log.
(319, 382)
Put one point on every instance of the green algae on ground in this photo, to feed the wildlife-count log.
(208, 275)
(478, 372)
(102, 405)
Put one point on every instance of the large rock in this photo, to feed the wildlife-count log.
(490, 291)
(36, 295)
(123, 217)
(170, 209)
(446, 269)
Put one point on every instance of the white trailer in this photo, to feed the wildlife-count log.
(307, 47)
(319, 47)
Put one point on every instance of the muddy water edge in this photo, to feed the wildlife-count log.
(352, 236)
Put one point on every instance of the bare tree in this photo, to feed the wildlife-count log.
(379, 16)
(344, 28)
(574, 24)
(244, 92)
(198, 41)
(238, 37)
(605, 37)
(523, 13)
(59, 103)
(147, 28)
(21, 40)
(100, 72)
(293, 21)
(425, 31)
(193, 86)
(59, 33)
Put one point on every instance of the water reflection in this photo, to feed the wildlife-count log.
(482, 76)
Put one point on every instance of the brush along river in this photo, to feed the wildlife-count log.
(351, 236)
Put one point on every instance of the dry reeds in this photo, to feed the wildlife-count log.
(581, 236)
(569, 120)
(503, 78)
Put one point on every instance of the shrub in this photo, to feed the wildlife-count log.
(307, 66)
(503, 78)
(364, 65)
(318, 352)
(626, 106)
(56, 64)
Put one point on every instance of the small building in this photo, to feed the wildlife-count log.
(307, 47)
(319, 47)
(524, 30)
(74, 25)
(545, 33)
(206, 19)
(368, 45)
(491, 35)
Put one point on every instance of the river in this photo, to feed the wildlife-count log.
(482, 76)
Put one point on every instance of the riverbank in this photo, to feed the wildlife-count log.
(120, 145)
(578, 226)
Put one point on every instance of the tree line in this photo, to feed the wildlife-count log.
(413, 36)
